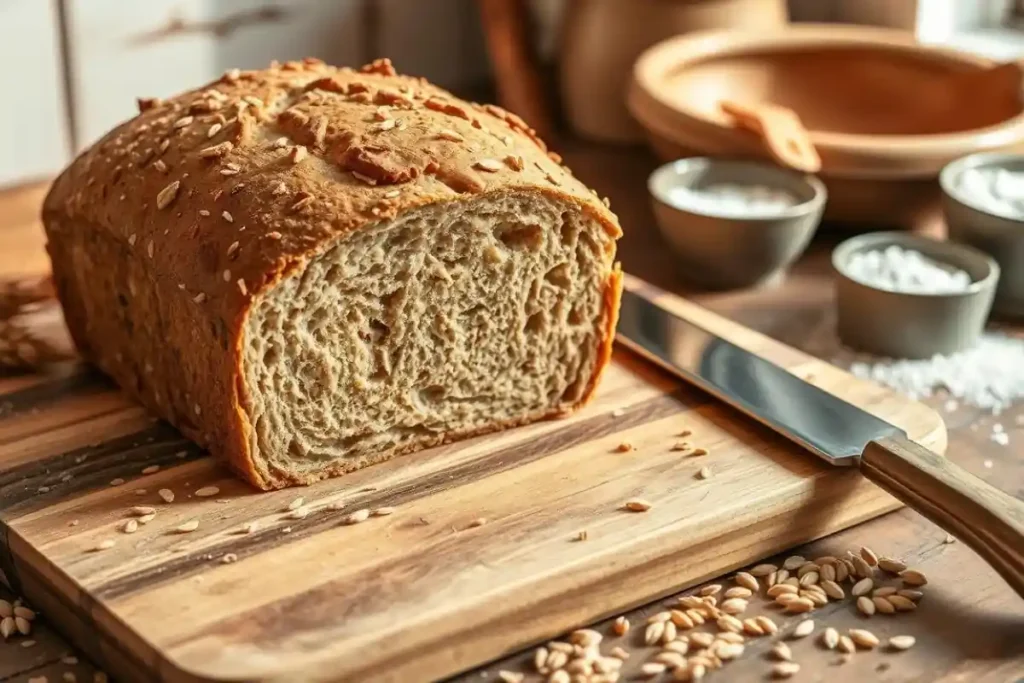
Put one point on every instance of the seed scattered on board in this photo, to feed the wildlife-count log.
(637, 505)
(187, 527)
(207, 491)
(902, 642)
(804, 629)
(357, 516)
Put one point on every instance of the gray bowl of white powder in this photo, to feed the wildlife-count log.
(983, 201)
(734, 223)
(904, 296)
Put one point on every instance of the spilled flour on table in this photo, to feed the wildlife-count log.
(989, 376)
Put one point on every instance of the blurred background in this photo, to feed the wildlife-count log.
(909, 114)
(75, 67)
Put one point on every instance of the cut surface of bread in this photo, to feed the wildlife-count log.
(309, 269)
(454, 319)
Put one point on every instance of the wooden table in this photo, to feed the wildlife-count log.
(970, 625)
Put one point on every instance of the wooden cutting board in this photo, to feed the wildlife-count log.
(424, 592)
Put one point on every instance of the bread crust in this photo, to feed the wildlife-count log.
(164, 233)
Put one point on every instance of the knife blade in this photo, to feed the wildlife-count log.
(987, 519)
(817, 420)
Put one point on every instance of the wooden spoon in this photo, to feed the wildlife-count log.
(781, 130)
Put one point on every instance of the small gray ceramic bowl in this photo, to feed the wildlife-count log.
(998, 234)
(911, 325)
(724, 251)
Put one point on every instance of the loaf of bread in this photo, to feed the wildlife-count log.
(310, 269)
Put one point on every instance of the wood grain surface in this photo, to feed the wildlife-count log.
(483, 531)
(969, 627)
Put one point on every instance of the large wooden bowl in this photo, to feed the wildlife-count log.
(885, 113)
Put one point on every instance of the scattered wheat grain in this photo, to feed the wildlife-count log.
(729, 623)
(863, 638)
(654, 632)
(785, 669)
(912, 577)
(883, 605)
(830, 638)
(799, 605)
(767, 625)
(187, 527)
(866, 605)
(901, 603)
(747, 580)
(902, 642)
(359, 516)
(761, 570)
(782, 652)
(803, 629)
(793, 562)
(891, 565)
(729, 651)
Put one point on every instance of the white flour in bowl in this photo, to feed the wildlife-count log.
(996, 190)
(731, 200)
(903, 270)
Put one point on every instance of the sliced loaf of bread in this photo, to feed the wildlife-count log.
(309, 269)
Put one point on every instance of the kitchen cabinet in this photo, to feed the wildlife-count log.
(117, 50)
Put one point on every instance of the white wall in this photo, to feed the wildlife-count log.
(33, 133)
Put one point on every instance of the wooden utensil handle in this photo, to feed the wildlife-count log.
(780, 130)
(985, 518)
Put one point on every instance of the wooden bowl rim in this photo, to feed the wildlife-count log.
(646, 101)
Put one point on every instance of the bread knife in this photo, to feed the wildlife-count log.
(985, 518)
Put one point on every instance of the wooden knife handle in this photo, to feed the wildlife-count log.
(985, 518)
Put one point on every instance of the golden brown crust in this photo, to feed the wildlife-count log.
(206, 200)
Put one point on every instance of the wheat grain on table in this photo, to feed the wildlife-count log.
(968, 626)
